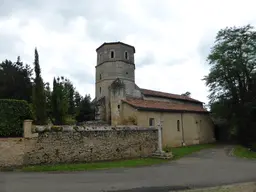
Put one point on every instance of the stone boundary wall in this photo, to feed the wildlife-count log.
(68, 144)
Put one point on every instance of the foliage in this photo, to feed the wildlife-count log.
(85, 110)
(232, 79)
(15, 80)
(117, 85)
(69, 120)
(56, 128)
(48, 95)
(241, 151)
(12, 115)
(70, 93)
(61, 105)
(59, 101)
(39, 97)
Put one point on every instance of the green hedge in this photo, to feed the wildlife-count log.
(12, 115)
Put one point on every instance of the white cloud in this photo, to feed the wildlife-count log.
(172, 38)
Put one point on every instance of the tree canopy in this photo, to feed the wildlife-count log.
(232, 79)
(15, 80)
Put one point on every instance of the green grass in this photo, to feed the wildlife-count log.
(179, 152)
(96, 165)
(240, 151)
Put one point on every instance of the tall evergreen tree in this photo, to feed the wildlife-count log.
(60, 101)
(70, 93)
(39, 97)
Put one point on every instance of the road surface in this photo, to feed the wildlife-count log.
(209, 167)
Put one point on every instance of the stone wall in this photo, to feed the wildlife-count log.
(78, 145)
(11, 151)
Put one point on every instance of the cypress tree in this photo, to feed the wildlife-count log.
(39, 97)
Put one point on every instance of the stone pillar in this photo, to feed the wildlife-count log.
(160, 153)
(27, 129)
(160, 141)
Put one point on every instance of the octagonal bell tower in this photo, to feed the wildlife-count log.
(115, 60)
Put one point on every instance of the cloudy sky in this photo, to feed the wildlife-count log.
(172, 37)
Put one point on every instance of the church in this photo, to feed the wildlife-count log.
(119, 101)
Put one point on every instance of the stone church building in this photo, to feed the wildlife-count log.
(119, 101)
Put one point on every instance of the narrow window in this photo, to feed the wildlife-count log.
(112, 54)
(118, 106)
(100, 57)
(100, 76)
(126, 55)
(100, 90)
(178, 125)
(126, 73)
(151, 122)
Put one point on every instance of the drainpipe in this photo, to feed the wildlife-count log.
(183, 139)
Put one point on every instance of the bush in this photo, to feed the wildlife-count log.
(12, 115)
(70, 121)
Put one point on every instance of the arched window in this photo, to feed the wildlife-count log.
(112, 54)
(100, 57)
(178, 125)
(126, 55)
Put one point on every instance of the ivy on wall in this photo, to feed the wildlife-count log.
(117, 85)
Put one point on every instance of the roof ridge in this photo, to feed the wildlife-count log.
(168, 95)
(163, 105)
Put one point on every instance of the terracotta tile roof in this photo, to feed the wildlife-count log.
(148, 92)
(163, 106)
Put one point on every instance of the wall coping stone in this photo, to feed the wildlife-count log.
(70, 128)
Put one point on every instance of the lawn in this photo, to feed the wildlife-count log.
(240, 151)
(179, 152)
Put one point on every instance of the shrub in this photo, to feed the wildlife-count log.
(56, 128)
(69, 120)
(12, 115)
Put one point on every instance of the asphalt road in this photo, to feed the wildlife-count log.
(207, 168)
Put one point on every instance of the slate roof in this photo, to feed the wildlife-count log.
(152, 93)
(150, 105)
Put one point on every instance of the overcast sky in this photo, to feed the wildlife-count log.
(172, 37)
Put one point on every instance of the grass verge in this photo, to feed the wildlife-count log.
(96, 165)
(179, 152)
(244, 152)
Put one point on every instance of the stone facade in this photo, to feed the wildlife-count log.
(185, 121)
(79, 144)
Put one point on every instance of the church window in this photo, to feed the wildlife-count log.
(100, 76)
(178, 125)
(112, 54)
(151, 122)
(118, 106)
(126, 55)
(100, 57)
(100, 90)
